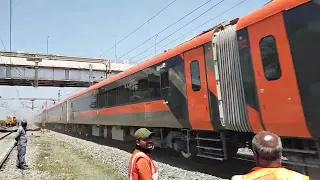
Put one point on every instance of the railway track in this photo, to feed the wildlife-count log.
(7, 142)
(3, 135)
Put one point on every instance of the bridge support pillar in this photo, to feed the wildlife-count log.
(36, 62)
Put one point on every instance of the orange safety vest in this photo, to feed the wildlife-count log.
(271, 173)
(133, 173)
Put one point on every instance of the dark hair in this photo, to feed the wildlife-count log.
(24, 123)
(264, 152)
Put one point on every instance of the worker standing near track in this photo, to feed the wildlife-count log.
(141, 166)
(22, 140)
(43, 127)
(267, 151)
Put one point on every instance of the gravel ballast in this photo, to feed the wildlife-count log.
(62, 161)
(120, 159)
(113, 157)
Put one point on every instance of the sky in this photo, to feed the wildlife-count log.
(90, 27)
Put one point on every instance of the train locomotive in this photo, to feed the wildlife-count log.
(209, 95)
(10, 121)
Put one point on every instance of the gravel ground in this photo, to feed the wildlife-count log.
(64, 162)
(120, 159)
(51, 159)
(11, 172)
(111, 156)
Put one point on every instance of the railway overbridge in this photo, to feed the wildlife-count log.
(34, 69)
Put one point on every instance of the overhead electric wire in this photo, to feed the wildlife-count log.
(180, 28)
(4, 47)
(193, 28)
(205, 23)
(166, 28)
(138, 28)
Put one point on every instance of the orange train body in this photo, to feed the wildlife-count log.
(258, 72)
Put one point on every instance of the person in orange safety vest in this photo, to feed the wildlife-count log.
(267, 151)
(141, 166)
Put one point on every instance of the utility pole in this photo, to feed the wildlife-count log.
(10, 26)
(59, 95)
(155, 45)
(107, 63)
(47, 45)
(90, 75)
(32, 106)
(115, 46)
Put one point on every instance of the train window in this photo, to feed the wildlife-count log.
(124, 95)
(154, 85)
(103, 100)
(112, 97)
(102, 97)
(164, 79)
(164, 75)
(139, 89)
(270, 59)
(93, 102)
(195, 75)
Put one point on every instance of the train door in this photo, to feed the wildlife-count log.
(277, 90)
(197, 92)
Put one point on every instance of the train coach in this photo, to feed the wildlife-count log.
(208, 96)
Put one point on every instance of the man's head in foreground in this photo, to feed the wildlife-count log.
(267, 149)
(144, 138)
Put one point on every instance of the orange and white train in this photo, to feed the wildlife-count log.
(209, 95)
